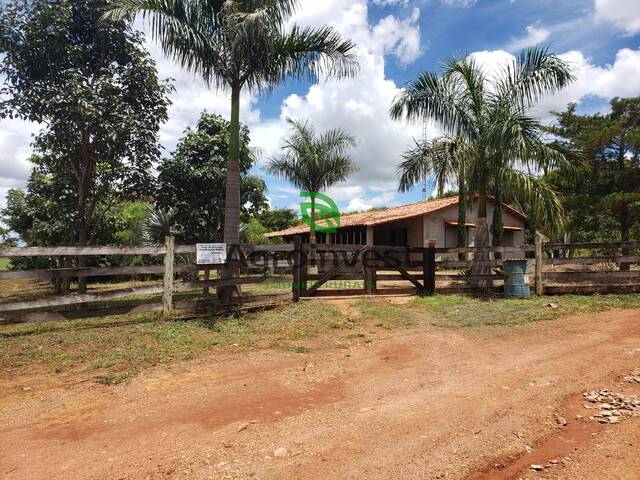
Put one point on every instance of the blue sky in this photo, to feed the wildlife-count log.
(397, 39)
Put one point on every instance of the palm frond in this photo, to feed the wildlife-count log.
(535, 73)
(543, 202)
(308, 53)
(185, 29)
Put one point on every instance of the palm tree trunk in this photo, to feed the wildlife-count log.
(481, 239)
(497, 225)
(462, 216)
(232, 194)
(313, 267)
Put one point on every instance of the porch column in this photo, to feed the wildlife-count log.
(369, 271)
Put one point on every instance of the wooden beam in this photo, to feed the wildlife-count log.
(167, 293)
(593, 260)
(590, 289)
(82, 298)
(79, 251)
(591, 245)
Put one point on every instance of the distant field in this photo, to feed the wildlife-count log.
(4, 263)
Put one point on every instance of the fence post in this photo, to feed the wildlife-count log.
(296, 285)
(539, 238)
(429, 268)
(167, 294)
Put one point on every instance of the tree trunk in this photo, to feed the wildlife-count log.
(482, 240)
(462, 217)
(84, 179)
(497, 224)
(313, 267)
(232, 195)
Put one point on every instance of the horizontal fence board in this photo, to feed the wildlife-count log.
(124, 250)
(446, 264)
(444, 277)
(590, 245)
(82, 298)
(590, 289)
(230, 281)
(568, 276)
(79, 251)
(48, 274)
(521, 249)
(592, 260)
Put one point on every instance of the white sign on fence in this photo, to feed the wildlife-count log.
(211, 253)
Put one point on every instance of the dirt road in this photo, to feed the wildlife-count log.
(412, 404)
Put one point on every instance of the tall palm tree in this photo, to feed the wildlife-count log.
(445, 160)
(313, 163)
(492, 116)
(240, 45)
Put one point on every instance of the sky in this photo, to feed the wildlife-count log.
(397, 39)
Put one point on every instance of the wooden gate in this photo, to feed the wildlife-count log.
(362, 264)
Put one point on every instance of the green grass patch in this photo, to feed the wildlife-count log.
(464, 312)
(118, 347)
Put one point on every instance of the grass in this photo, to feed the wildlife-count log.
(111, 350)
(4, 263)
(459, 311)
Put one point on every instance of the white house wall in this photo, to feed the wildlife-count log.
(434, 227)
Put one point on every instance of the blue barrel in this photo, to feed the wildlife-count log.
(516, 280)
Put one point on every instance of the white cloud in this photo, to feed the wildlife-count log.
(361, 104)
(384, 3)
(624, 14)
(535, 35)
(619, 79)
(399, 37)
(460, 3)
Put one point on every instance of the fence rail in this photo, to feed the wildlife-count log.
(357, 269)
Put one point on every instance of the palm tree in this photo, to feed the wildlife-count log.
(313, 163)
(444, 159)
(240, 45)
(492, 116)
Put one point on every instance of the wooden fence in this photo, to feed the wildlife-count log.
(171, 261)
(342, 270)
(587, 268)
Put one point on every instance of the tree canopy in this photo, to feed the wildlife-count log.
(497, 139)
(191, 181)
(603, 200)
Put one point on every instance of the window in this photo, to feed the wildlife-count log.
(398, 237)
(508, 238)
(451, 236)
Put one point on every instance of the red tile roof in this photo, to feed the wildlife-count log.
(386, 215)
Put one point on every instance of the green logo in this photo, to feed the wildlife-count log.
(326, 212)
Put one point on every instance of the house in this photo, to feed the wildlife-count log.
(413, 225)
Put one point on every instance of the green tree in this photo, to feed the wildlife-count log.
(491, 116)
(278, 219)
(95, 89)
(603, 200)
(444, 159)
(190, 182)
(314, 163)
(240, 45)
